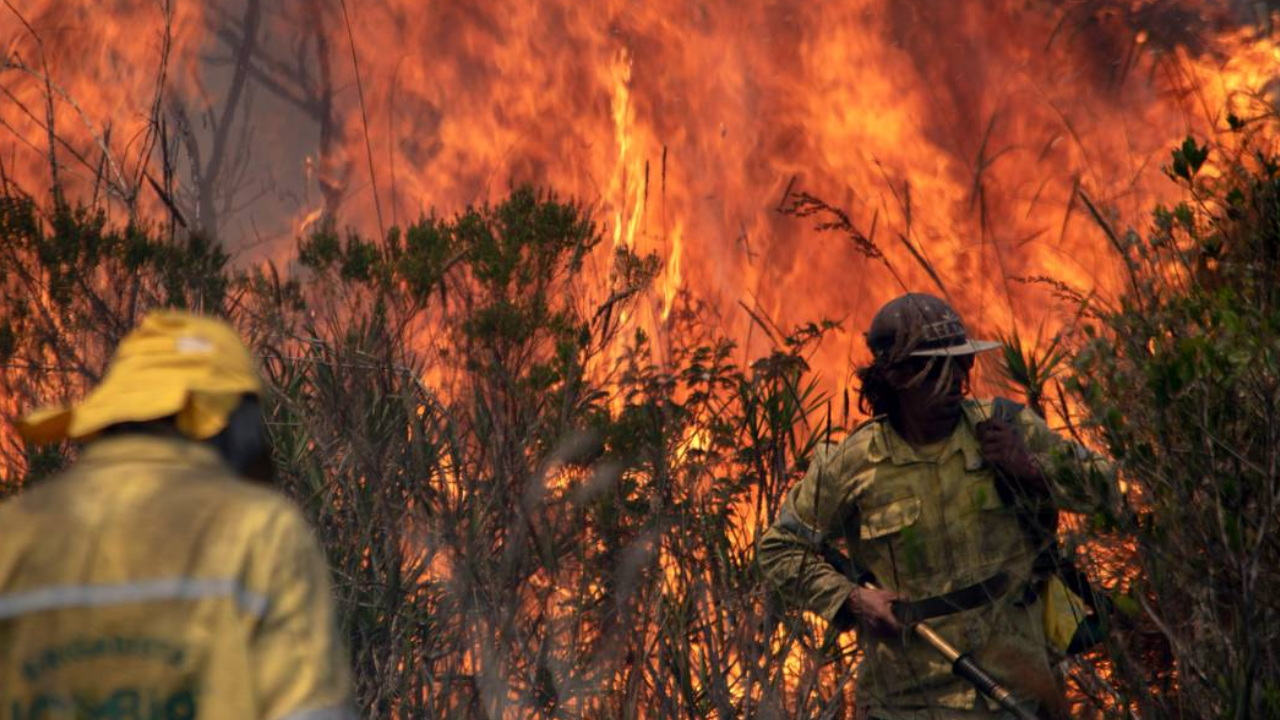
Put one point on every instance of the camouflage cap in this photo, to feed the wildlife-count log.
(920, 325)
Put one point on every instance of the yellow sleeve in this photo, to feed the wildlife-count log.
(814, 510)
(300, 662)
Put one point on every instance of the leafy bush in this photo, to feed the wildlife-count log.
(73, 285)
(1180, 378)
(525, 512)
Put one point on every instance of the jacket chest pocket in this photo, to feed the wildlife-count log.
(889, 518)
(892, 541)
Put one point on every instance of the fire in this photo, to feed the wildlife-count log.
(951, 127)
(625, 192)
(305, 224)
(671, 283)
(970, 132)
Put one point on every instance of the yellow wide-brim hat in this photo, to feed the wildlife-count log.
(174, 364)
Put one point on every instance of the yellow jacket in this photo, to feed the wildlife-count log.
(149, 583)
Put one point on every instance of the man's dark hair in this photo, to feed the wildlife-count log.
(876, 395)
(244, 442)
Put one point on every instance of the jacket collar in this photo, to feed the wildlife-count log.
(888, 446)
(141, 448)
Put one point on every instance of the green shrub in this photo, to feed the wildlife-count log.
(1180, 379)
(525, 512)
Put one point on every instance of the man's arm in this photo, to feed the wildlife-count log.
(1079, 479)
(1046, 464)
(299, 660)
(814, 510)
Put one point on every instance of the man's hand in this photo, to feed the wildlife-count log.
(1003, 446)
(875, 607)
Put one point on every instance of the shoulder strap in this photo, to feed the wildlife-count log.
(1002, 408)
(1041, 525)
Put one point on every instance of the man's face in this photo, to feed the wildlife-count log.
(932, 388)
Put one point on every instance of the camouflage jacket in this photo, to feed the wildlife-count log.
(924, 526)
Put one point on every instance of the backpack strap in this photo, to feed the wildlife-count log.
(1042, 528)
(1002, 408)
(1039, 526)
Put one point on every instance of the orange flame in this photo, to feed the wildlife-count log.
(968, 132)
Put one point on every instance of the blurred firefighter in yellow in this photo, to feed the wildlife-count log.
(154, 580)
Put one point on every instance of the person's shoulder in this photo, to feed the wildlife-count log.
(272, 523)
(248, 492)
(45, 495)
(240, 505)
(854, 451)
(17, 505)
(254, 499)
(864, 434)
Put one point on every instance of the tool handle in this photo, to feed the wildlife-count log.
(965, 667)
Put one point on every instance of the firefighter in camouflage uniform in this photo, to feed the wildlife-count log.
(931, 498)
